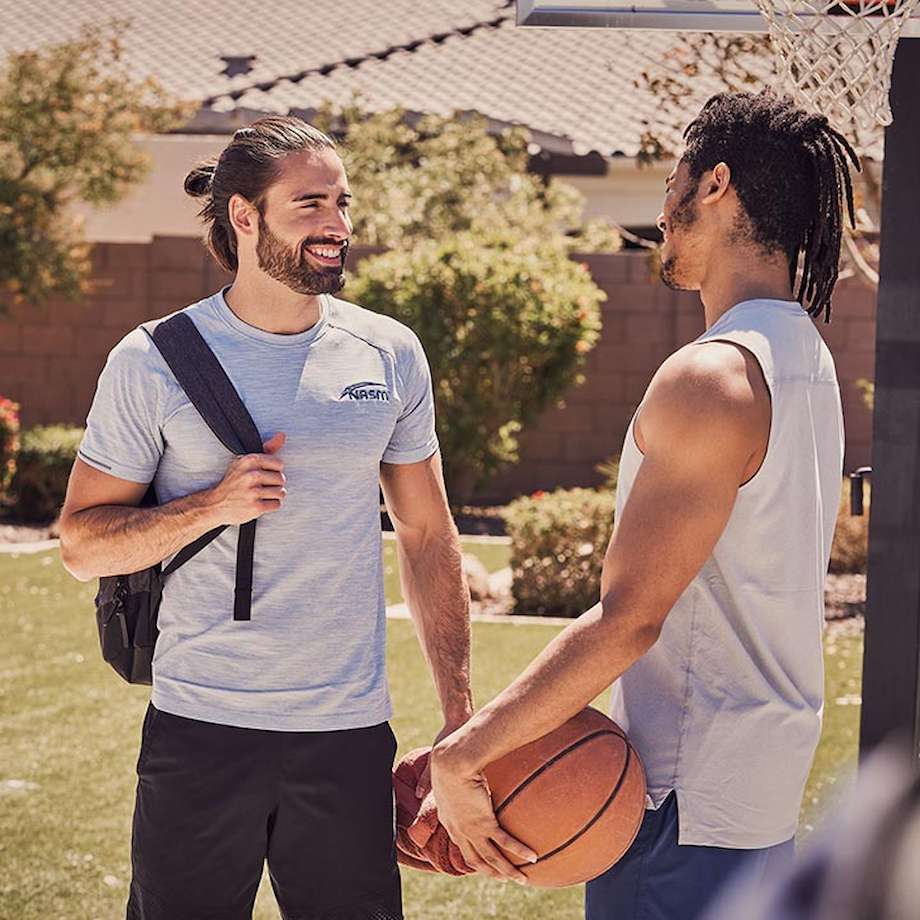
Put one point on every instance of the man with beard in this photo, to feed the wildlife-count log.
(711, 610)
(268, 738)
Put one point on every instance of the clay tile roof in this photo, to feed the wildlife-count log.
(575, 89)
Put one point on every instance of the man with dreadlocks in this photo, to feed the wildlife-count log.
(711, 607)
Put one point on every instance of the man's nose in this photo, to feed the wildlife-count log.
(338, 227)
(659, 222)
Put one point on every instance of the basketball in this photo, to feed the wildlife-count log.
(576, 797)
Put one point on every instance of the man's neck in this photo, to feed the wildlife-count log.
(269, 305)
(731, 282)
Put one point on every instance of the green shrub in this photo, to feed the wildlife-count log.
(505, 322)
(850, 550)
(46, 456)
(558, 542)
(9, 442)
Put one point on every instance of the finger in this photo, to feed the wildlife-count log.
(493, 856)
(276, 493)
(423, 787)
(271, 477)
(259, 477)
(268, 505)
(262, 462)
(520, 851)
(274, 443)
(476, 862)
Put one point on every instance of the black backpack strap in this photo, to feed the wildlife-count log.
(212, 393)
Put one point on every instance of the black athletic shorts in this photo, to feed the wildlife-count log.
(215, 802)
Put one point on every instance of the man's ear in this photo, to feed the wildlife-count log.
(244, 216)
(718, 181)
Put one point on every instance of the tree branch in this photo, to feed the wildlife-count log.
(868, 275)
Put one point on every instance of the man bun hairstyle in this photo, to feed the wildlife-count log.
(247, 166)
(198, 181)
(790, 169)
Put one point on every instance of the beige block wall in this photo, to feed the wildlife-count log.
(50, 356)
(158, 206)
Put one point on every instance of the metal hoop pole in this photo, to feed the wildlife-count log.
(891, 666)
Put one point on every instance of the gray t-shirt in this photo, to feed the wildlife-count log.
(349, 393)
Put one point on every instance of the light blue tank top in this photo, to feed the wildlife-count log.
(726, 707)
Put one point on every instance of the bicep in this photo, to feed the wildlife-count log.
(668, 527)
(700, 429)
(91, 488)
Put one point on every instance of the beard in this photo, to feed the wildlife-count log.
(683, 218)
(291, 266)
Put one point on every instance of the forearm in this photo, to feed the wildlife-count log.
(117, 539)
(580, 663)
(431, 572)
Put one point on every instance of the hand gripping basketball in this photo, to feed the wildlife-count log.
(576, 797)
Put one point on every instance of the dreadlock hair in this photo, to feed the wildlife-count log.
(790, 171)
(248, 165)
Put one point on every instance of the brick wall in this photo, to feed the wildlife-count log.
(643, 323)
(50, 356)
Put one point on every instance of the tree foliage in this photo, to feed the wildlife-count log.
(505, 323)
(430, 177)
(69, 114)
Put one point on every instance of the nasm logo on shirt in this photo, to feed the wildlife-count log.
(366, 390)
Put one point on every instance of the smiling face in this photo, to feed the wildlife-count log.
(304, 227)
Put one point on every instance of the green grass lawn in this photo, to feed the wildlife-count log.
(70, 733)
(493, 555)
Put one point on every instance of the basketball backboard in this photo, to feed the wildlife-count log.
(679, 15)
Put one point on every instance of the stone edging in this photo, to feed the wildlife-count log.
(38, 546)
(41, 545)
(401, 612)
(465, 538)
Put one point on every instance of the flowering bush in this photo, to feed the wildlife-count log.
(43, 468)
(558, 542)
(9, 442)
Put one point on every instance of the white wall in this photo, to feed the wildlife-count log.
(630, 195)
(159, 206)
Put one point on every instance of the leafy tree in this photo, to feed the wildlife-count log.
(431, 177)
(505, 322)
(69, 114)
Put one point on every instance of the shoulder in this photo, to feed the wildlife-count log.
(135, 350)
(136, 358)
(376, 329)
(137, 347)
(708, 390)
(716, 373)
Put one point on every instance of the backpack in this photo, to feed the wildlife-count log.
(127, 605)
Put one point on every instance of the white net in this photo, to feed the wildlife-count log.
(835, 56)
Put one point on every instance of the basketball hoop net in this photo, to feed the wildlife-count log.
(835, 56)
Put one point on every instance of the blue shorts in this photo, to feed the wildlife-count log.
(659, 880)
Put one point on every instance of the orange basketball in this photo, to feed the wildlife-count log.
(576, 797)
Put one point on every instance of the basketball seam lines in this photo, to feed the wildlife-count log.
(582, 831)
(600, 811)
(538, 772)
